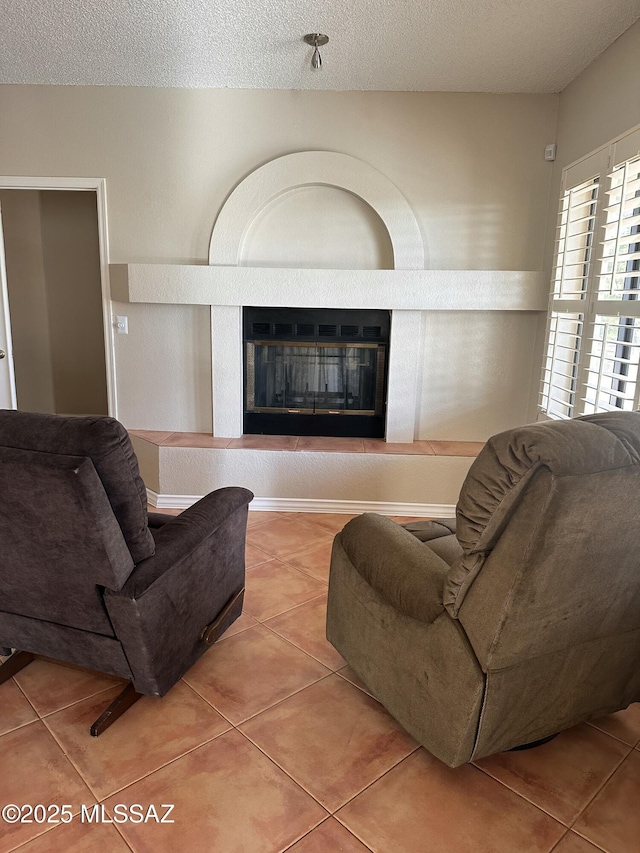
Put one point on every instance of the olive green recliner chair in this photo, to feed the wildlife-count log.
(521, 617)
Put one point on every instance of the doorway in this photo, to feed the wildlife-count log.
(54, 300)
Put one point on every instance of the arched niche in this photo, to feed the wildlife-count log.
(306, 169)
(317, 227)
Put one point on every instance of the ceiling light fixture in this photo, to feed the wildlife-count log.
(316, 40)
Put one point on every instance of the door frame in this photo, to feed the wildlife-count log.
(99, 186)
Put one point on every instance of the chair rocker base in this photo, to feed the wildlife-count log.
(14, 664)
(123, 701)
(211, 632)
(533, 744)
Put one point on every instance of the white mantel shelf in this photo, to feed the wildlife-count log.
(399, 290)
(406, 293)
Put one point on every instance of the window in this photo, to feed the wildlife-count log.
(593, 333)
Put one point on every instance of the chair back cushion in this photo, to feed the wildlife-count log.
(60, 544)
(547, 522)
(106, 443)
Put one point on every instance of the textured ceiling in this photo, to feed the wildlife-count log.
(441, 45)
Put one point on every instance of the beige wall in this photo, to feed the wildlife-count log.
(485, 359)
(307, 226)
(600, 104)
(28, 300)
(55, 300)
(470, 166)
(72, 270)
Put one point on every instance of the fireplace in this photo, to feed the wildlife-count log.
(311, 371)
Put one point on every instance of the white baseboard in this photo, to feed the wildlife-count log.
(421, 510)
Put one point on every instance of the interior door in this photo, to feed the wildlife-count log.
(7, 376)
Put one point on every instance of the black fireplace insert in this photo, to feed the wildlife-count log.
(315, 371)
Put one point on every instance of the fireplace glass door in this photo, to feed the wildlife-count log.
(315, 371)
(315, 378)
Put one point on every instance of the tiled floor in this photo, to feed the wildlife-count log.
(271, 743)
(311, 444)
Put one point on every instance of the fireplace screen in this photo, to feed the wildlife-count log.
(310, 371)
(315, 378)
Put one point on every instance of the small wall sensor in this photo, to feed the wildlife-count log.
(550, 151)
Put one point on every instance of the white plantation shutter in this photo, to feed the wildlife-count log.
(612, 366)
(593, 354)
(576, 251)
(621, 246)
(574, 240)
(559, 376)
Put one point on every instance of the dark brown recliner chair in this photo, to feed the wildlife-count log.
(521, 620)
(87, 577)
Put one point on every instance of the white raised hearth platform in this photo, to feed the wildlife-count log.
(306, 474)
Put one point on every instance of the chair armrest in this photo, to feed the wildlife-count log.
(157, 519)
(183, 534)
(197, 570)
(403, 570)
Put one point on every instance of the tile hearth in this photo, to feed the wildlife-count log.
(318, 444)
(306, 473)
(271, 743)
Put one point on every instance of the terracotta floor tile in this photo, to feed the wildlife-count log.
(314, 561)
(194, 439)
(612, 820)
(456, 448)
(274, 587)
(409, 448)
(423, 805)
(371, 445)
(77, 837)
(305, 627)
(252, 671)
(329, 837)
(35, 770)
(164, 510)
(572, 843)
(264, 442)
(332, 738)
(229, 798)
(256, 517)
(155, 436)
(243, 622)
(332, 522)
(285, 536)
(151, 733)
(254, 556)
(15, 710)
(329, 444)
(50, 686)
(561, 776)
(404, 519)
(625, 725)
(347, 673)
